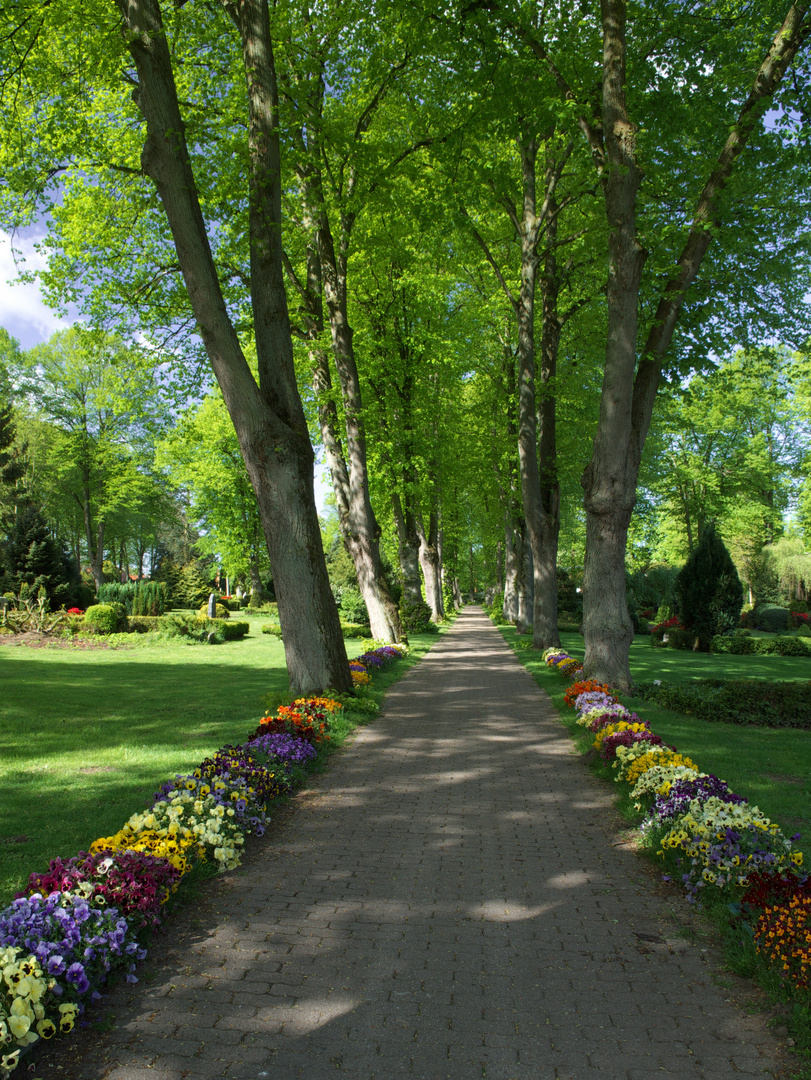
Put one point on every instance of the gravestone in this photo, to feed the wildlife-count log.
(212, 606)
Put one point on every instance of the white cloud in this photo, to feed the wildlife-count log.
(22, 310)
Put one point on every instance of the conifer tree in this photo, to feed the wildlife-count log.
(709, 594)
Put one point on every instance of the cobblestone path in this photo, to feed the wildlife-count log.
(445, 903)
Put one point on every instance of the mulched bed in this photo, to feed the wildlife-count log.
(44, 641)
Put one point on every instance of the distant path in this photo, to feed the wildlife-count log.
(446, 903)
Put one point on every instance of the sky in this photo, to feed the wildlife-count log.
(27, 317)
(22, 310)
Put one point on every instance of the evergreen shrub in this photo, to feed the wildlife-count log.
(222, 612)
(353, 630)
(105, 619)
(142, 624)
(230, 629)
(415, 617)
(708, 591)
(736, 701)
(771, 618)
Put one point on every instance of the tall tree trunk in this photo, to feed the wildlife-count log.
(362, 532)
(408, 544)
(431, 565)
(269, 418)
(629, 392)
(609, 481)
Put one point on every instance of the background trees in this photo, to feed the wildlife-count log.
(414, 178)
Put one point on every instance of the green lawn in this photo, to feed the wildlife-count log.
(87, 737)
(770, 766)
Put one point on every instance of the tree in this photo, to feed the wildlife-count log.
(267, 415)
(31, 557)
(708, 591)
(201, 457)
(95, 391)
(632, 374)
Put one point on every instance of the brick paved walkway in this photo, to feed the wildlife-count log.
(446, 903)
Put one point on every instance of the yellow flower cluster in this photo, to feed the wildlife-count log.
(180, 851)
(186, 827)
(706, 822)
(320, 704)
(659, 779)
(657, 755)
(615, 729)
(23, 1009)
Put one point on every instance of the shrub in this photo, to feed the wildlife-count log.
(142, 624)
(354, 630)
(708, 591)
(272, 628)
(414, 615)
(221, 610)
(736, 701)
(105, 619)
(230, 629)
(771, 618)
(738, 644)
(791, 646)
(804, 631)
(497, 609)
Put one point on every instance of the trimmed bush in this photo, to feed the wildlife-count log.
(355, 630)
(272, 628)
(740, 643)
(142, 624)
(414, 617)
(222, 611)
(231, 629)
(771, 618)
(736, 701)
(105, 619)
(791, 646)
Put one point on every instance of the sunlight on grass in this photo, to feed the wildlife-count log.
(87, 737)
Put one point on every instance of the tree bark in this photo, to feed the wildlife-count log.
(431, 565)
(268, 418)
(408, 542)
(629, 393)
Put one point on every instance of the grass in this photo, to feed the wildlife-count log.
(87, 737)
(770, 766)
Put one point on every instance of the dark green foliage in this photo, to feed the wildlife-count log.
(736, 701)
(31, 556)
(771, 618)
(415, 617)
(192, 589)
(12, 465)
(105, 619)
(708, 591)
(741, 643)
(141, 624)
(138, 597)
(354, 630)
(230, 629)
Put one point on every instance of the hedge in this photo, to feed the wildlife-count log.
(735, 701)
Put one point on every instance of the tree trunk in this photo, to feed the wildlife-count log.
(268, 418)
(431, 566)
(408, 543)
(627, 401)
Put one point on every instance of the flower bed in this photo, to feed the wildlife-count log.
(83, 920)
(712, 839)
